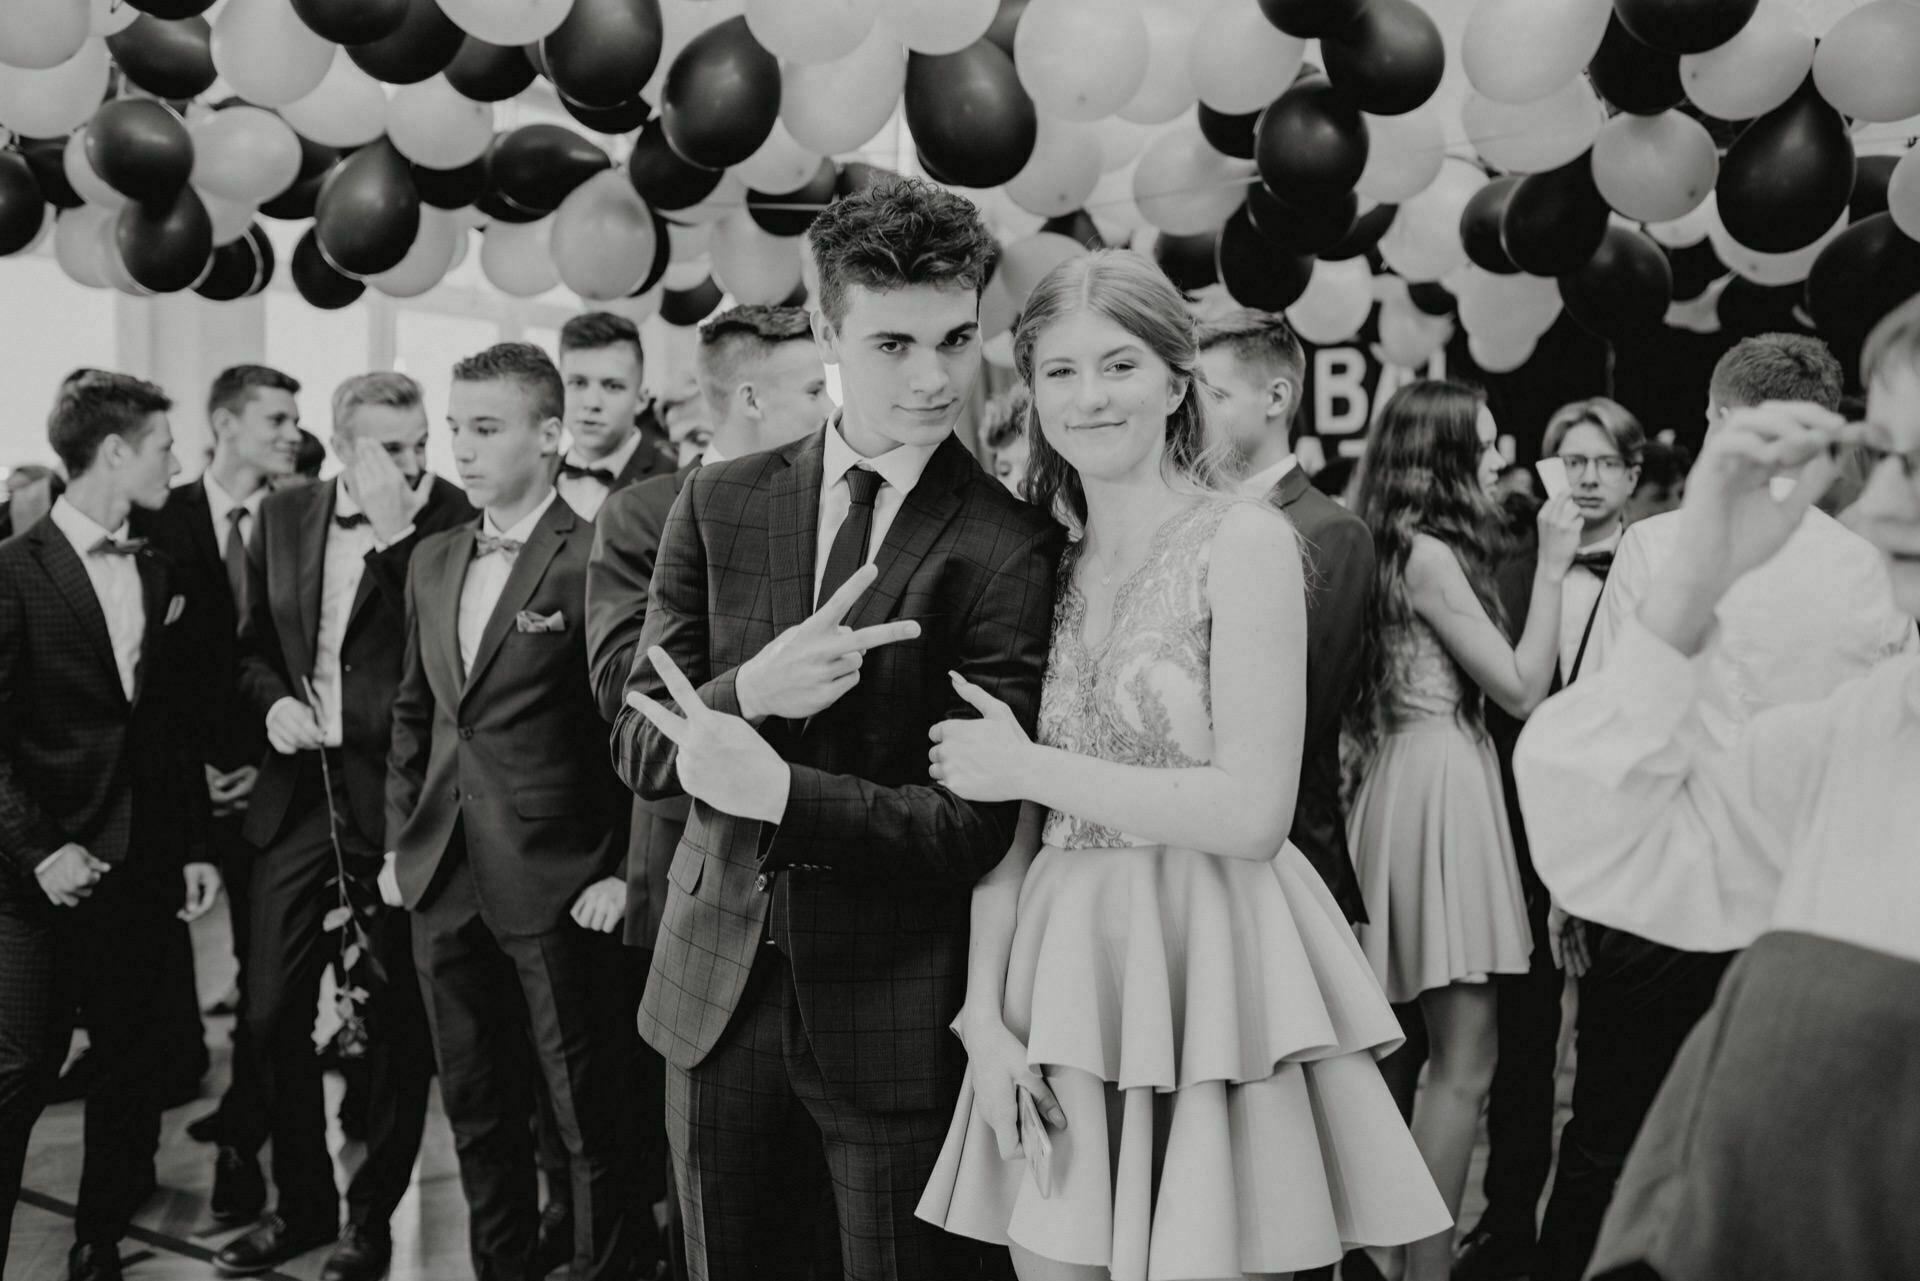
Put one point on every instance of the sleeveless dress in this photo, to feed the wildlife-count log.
(1208, 1017)
(1429, 835)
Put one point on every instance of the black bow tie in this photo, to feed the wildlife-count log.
(488, 544)
(111, 546)
(355, 521)
(602, 474)
(1598, 564)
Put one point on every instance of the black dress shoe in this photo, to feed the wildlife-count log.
(269, 1245)
(207, 1129)
(94, 1263)
(553, 1248)
(362, 1255)
(239, 1190)
(1493, 1256)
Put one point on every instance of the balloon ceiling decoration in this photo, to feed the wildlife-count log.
(1485, 164)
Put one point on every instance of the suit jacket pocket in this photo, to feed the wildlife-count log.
(686, 867)
(550, 802)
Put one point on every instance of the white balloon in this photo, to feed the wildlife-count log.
(1168, 87)
(514, 257)
(1409, 337)
(1518, 51)
(810, 31)
(1423, 242)
(46, 104)
(938, 26)
(1337, 302)
(1239, 61)
(1789, 268)
(1903, 195)
(753, 265)
(230, 218)
(1121, 142)
(349, 108)
(781, 164)
(689, 244)
(1184, 187)
(685, 275)
(1025, 263)
(428, 261)
(432, 124)
(1404, 154)
(244, 154)
(39, 34)
(1690, 228)
(1654, 168)
(639, 310)
(1492, 305)
(269, 56)
(1754, 72)
(730, 196)
(507, 21)
(1063, 170)
(836, 106)
(604, 241)
(1539, 136)
(1868, 65)
(1503, 355)
(1112, 208)
(81, 176)
(1081, 59)
(111, 17)
(76, 244)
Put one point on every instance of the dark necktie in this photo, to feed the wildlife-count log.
(488, 544)
(601, 474)
(849, 551)
(111, 546)
(236, 558)
(354, 521)
(1599, 564)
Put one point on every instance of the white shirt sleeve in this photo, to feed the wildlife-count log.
(1619, 600)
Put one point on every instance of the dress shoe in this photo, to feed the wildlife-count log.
(362, 1255)
(94, 1262)
(553, 1248)
(239, 1191)
(1493, 1256)
(271, 1243)
(207, 1129)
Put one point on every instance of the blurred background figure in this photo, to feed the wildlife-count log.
(682, 410)
(31, 489)
(1663, 480)
(309, 456)
(1004, 429)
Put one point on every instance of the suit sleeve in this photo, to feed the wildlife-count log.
(626, 540)
(262, 677)
(1344, 561)
(27, 833)
(924, 832)
(386, 567)
(412, 740)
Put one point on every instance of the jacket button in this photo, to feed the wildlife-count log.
(761, 882)
(346, 667)
(466, 731)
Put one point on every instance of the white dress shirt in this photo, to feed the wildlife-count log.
(116, 583)
(1818, 614)
(220, 506)
(1579, 598)
(341, 570)
(487, 578)
(900, 467)
(585, 494)
(1261, 483)
(1646, 818)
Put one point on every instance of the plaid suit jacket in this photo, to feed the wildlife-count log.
(869, 875)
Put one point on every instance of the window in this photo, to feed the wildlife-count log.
(321, 348)
(51, 327)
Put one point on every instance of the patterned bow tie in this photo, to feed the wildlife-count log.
(602, 474)
(488, 544)
(1596, 563)
(111, 546)
(355, 521)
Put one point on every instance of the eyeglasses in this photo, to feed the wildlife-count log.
(1610, 466)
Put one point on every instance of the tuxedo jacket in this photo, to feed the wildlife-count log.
(510, 755)
(870, 872)
(80, 761)
(1339, 554)
(626, 543)
(280, 637)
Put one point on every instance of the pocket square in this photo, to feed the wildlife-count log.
(175, 607)
(528, 621)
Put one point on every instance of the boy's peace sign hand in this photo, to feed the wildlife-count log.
(810, 665)
(722, 760)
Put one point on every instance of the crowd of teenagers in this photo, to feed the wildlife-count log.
(806, 853)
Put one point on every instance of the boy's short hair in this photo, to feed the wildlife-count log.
(594, 330)
(740, 336)
(521, 363)
(1610, 416)
(895, 233)
(1263, 339)
(93, 404)
(234, 386)
(1662, 466)
(1778, 367)
(1006, 419)
(381, 387)
(1895, 340)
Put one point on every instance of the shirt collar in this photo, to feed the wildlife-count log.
(220, 502)
(712, 455)
(1611, 543)
(81, 529)
(900, 466)
(1261, 483)
(524, 527)
(616, 462)
(343, 501)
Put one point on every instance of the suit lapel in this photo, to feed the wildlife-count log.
(192, 497)
(529, 567)
(312, 546)
(453, 577)
(1290, 487)
(154, 601)
(927, 510)
(793, 531)
(62, 565)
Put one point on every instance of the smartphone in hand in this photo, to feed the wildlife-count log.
(1035, 1143)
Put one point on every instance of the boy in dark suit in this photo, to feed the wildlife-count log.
(101, 814)
(502, 813)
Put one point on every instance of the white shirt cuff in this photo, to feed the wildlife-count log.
(380, 544)
(41, 866)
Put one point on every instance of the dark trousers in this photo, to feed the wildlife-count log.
(1638, 1002)
(756, 1131)
(236, 856)
(1520, 1102)
(486, 994)
(293, 891)
(98, 960)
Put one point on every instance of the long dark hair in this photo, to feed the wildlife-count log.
(1421, 475)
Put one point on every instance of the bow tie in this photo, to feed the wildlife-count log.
(111, 546)
(355, 521)
(1596, 563)
(602, 474)
(488, 544)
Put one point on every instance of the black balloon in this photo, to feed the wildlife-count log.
(171, 8)
(722, 96)
(352, 22)
(369, 212)
(500, 209)
(790, 213)
(538, 57)
(1228, 135)
(1685, 26)
(970, 116)
(1311, 143)
(1255, 271)
(624, 118)
(685, 307)
(47, 158)
(538, 166)
(1871, 174)
(1006, 21)
(297, 202)
(169, 59)
(165, 247)
(1623, 289)
(489, 72)
(664, 179)
(606, 51)
(422, 46)
(1747, 310)
(1635, 77)
(450, 188)
(141, 149)
(1190, 262)
(22, 208)
(232, 272)
(1432, 297)
(1077, 227)
(1863, 273)
(1301, 229)
(1694, 268)
(1389, 59)
(1311, 19)
(1363, 235)
(1554, 221)
(1480, 226)
(1787, 179)
(317, 280)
